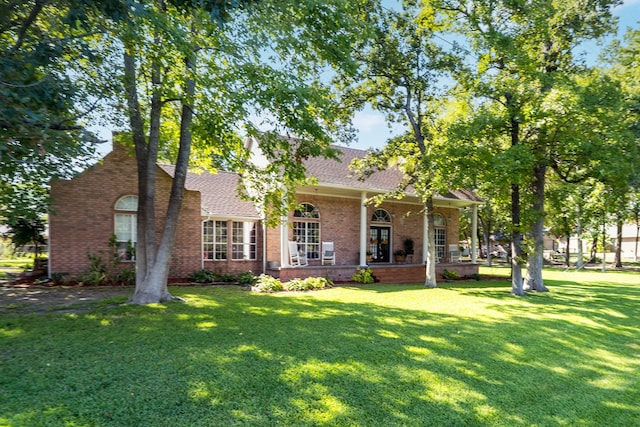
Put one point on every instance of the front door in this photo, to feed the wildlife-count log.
(379, 239)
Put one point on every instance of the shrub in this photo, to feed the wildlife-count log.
(363, 276)
(94, 278)
(295, 285)
(127, 276)
(108, 272)
(203, 276)
(268, 283)
(449, 275)
(318, 283)
(227, 277)
(308, 284)
(246, 278)
(474, 276)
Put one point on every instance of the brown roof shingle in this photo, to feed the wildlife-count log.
(219, 193)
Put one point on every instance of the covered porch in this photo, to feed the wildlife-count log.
(383, 273)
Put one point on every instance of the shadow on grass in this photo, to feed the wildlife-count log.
(342, 357)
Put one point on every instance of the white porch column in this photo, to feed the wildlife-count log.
(363, 229)
(284, 238)
(425, 238)
(264, 245)
(474, 232)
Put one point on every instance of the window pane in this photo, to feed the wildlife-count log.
(221, 236)
(381, 215)
(214, 240)
(307, 210)
(307, 234)
(441, 249)
(127, 203)
(243, 240)
(125, 230)
(207, 239)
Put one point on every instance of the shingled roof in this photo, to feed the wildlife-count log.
(219, 193)
(337, 174)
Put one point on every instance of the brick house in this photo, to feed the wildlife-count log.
(220, 232)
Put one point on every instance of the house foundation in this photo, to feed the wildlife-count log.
(388, 273)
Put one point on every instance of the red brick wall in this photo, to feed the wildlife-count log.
(82, 219)
(273, 244)
(340, 223)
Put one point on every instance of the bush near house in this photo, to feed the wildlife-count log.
(268, 283)
(205, 276)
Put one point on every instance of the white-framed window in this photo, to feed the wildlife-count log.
(125, 220)
(440, 231)
(306, 229)
(244, 240)
(214, 240)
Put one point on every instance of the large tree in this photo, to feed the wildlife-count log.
(525, 58)
(401, 70)
(48, 62)
(211, 66)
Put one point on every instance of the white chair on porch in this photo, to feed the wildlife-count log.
(297, 258)
(454, 253)
(328, 254)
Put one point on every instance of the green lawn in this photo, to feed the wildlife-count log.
(467, 354)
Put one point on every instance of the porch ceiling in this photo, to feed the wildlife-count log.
(452, 200)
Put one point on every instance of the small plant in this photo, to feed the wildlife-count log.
(318, 283)
(268, 283)
(97, 273)
(474, 276)
(450, 275)
(227, 278)
(127, 276)
(203, 276)
(308, 284)
(246, 278)
(109, 272)
(363, 276)
(408, 246)
(295, 285)
(399, 252)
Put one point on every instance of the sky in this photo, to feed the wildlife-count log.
(373, 131)
(371, 127)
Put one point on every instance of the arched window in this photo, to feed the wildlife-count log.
(380, 215)
(440, 235)
(125, 227)
(306, 210)
(306, 229)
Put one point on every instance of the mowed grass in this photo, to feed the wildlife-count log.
(465, 354)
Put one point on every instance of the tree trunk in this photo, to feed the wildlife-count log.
(594, 249)
(635, 252)
(580, 261)
(604, 245)
(430, 280)
(516, 243)
(619, 224)
(485, 238)
(535, 260)
(154, 286)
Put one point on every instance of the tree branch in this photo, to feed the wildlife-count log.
(37, 8)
